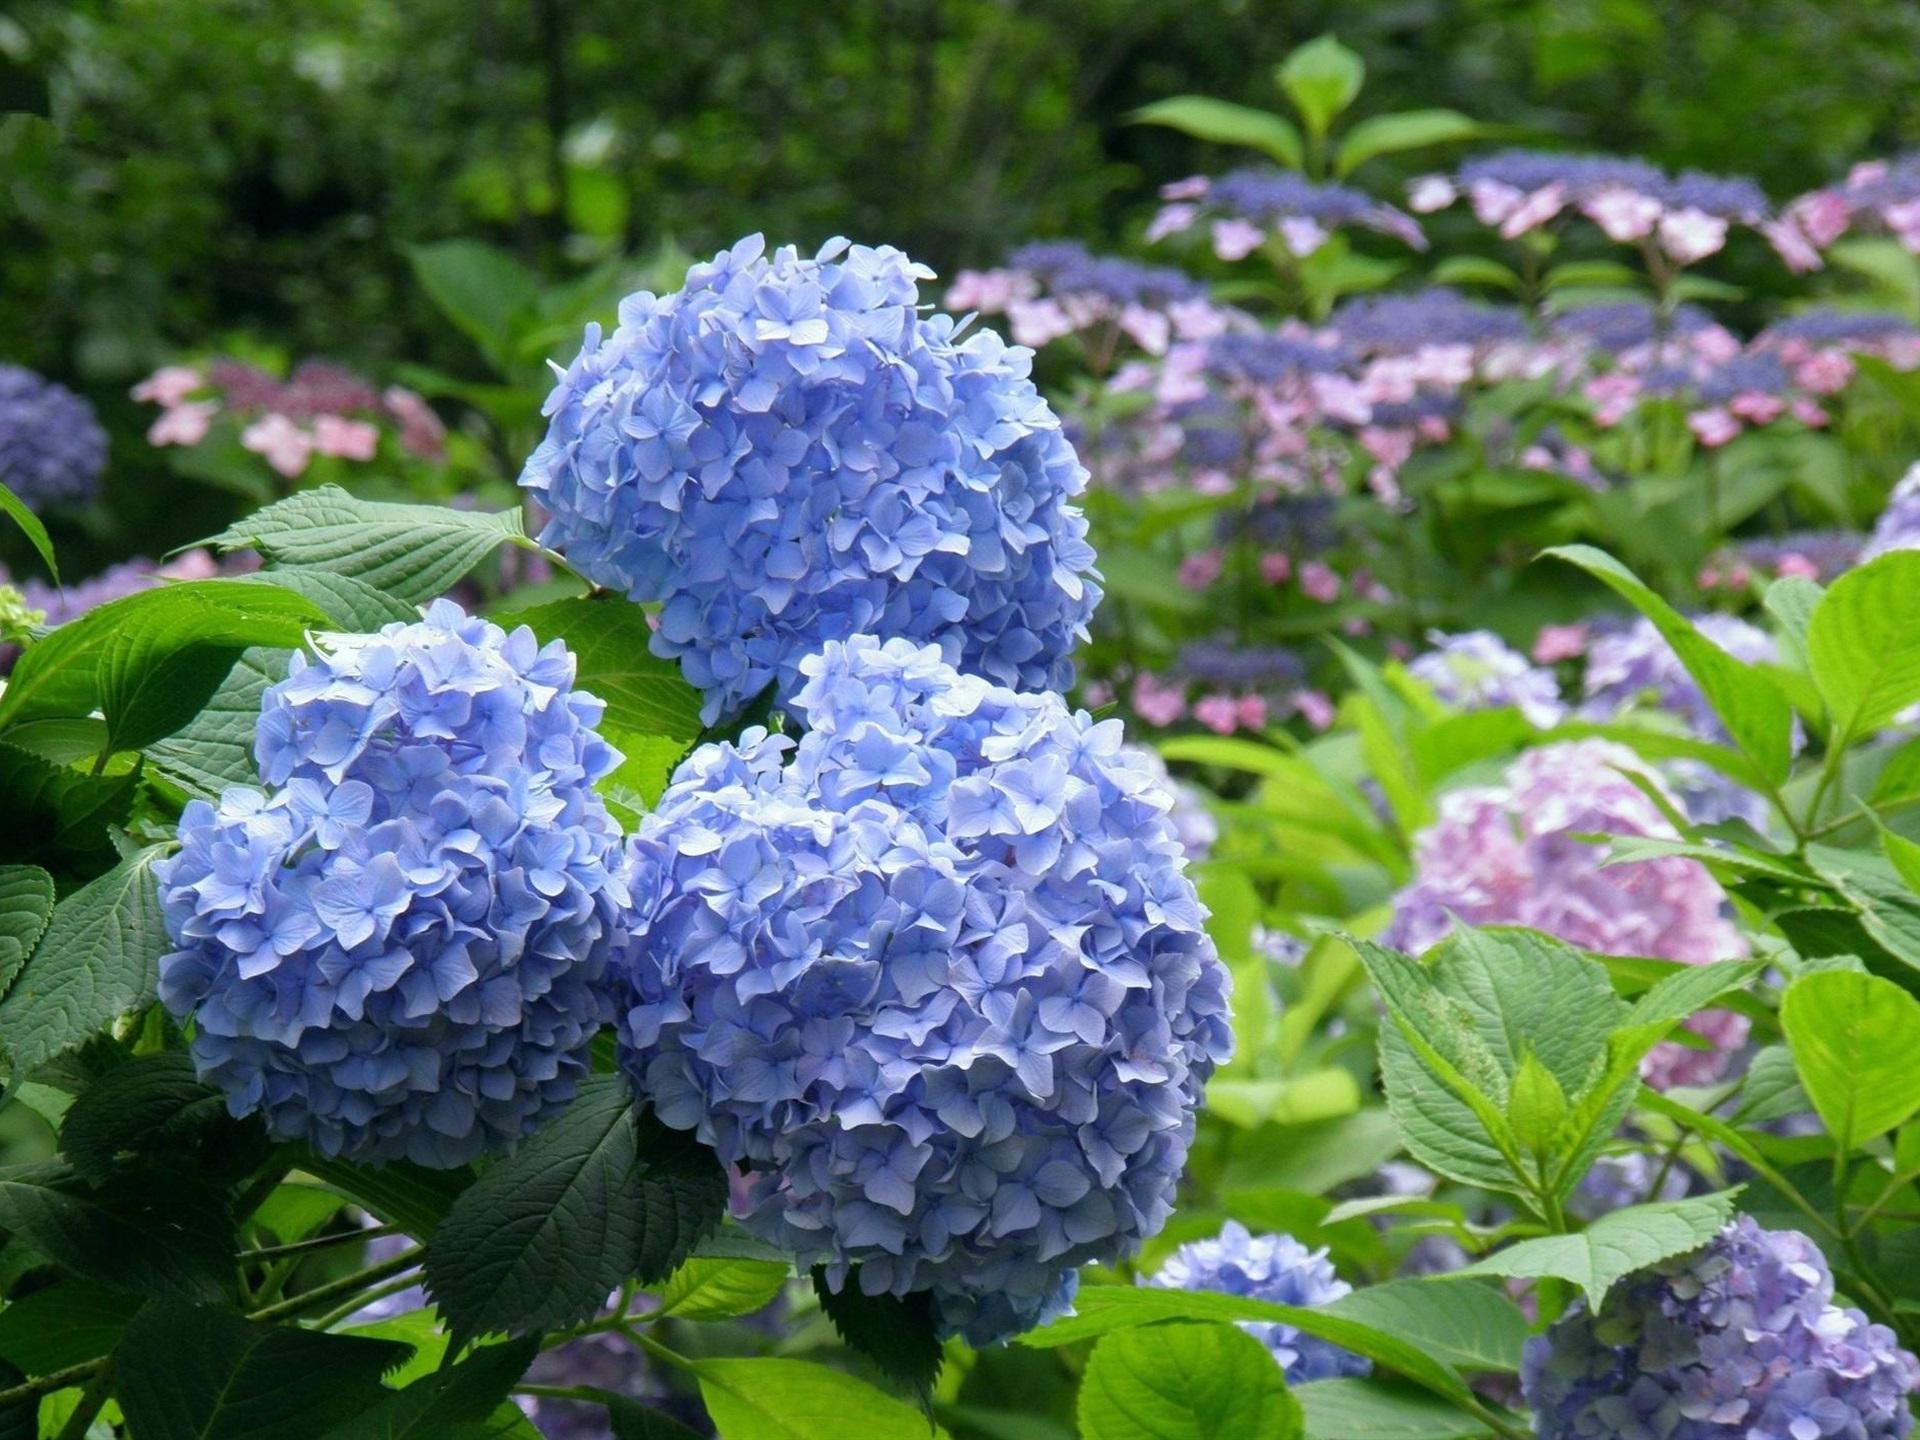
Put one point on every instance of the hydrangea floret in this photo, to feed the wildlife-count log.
(934, 977)
(1275, 1268)
(396, 951)
(788, 451)
(1737, 1340)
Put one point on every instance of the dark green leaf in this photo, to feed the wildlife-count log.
(189, 1373)
(634, 1421)
(409, 1196)
(895, 1332)
(483, 290)
(26, 904)
(154, 1111)
(58, 817)
(214, 750)
(99, 958)
(431, 1406)
(413, 552)
(64, 1324)
(352, 605)
(12, 504)
(173, 1238)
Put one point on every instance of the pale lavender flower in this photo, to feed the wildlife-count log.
(1477, 670)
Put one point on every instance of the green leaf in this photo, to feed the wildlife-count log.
(1374, 1410)
(720, 1289)
(1613, 1246)
(634, 1421)
(1536, 1106)
(12, 504)
(26, 904)
(148, 661)
(1856, 1043)
(1224, 123)
(214, 750)
(1202, 1381)
(64, 1324)
(433, 1405)
(154, 1111)
(189, 1373)
(1887, 910)
(609, 639)
(895, 1332)
(483, 290)
(1101, 1309)
(1902, 854)
(1748, 703)
(1408, 130)
(1322, 78)
(58, 816)
(351, 604)
(1863, 644)
(413, 552)
(1463, 1323)
(544, 1234)
(99, 958)
(793, 1400)
(1477, 270)
(157, 1238)
(415, 1199)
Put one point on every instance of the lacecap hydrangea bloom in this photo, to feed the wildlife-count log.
(1510, 854)
(1737, 1341)
(1275, 1268)
(396, 952)
(934, 976)
(1477, 670)
(788, 451)
(52, 449)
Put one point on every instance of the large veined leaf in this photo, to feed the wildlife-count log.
(98, 959)
(412, 552)
(1375, 1410)
(1615, 1245)
(1863, 644)
(26, 904)
(1856, 1043)
(774, 1399)
(1185, 1381)
(214, 750)
(151, 1238)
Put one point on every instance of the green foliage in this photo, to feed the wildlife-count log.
(1615, 1245)
(791, 1400)
(1856, 1044)
(1180, 1381)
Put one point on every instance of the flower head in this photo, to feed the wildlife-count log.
(1477, 670)
(1246, 207)
(935, 976)
(1512, 854)
(787, 452)
(396, 951)
(52, 449)
(1275, 1268)
(1735, 1341)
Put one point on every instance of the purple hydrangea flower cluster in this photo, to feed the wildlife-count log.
(1510, 854)
(1515, 191)
(787, 452)
(1477, 670)
(1402, 324)
(1623, 326)
(935, 977)
(398, 950)
(1898, 527)
(1055, 288)
(1736, 1341)
(52, 449)
(1244, 208)
(1275, 1268)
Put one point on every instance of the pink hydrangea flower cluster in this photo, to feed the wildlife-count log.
(1510, 854)
(320, 409)
(1879, 196)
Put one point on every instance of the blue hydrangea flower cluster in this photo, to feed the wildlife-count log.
(934, 976)
(398, 951)
(1477, 670)
(1738, 1340)
(52, 449)
(787, 452)
(1276, 1268)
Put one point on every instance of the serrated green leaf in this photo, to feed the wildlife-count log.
(189, 1373)
(214, 750)
(896, 1333)
(770, 1399)
(351, 604)
(1749, 704)
(409, 1196)
(715, 1289)
(158, 1238)
(1863, 644)
(98, 959)
(1224, 123)
(1614, 1246)
(1185, 1381)
(1856, 1043)
(545, 1234)
(26, 904)
(436, 1404)
(154, 1110)
(413, 552)
(1374, 1410)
